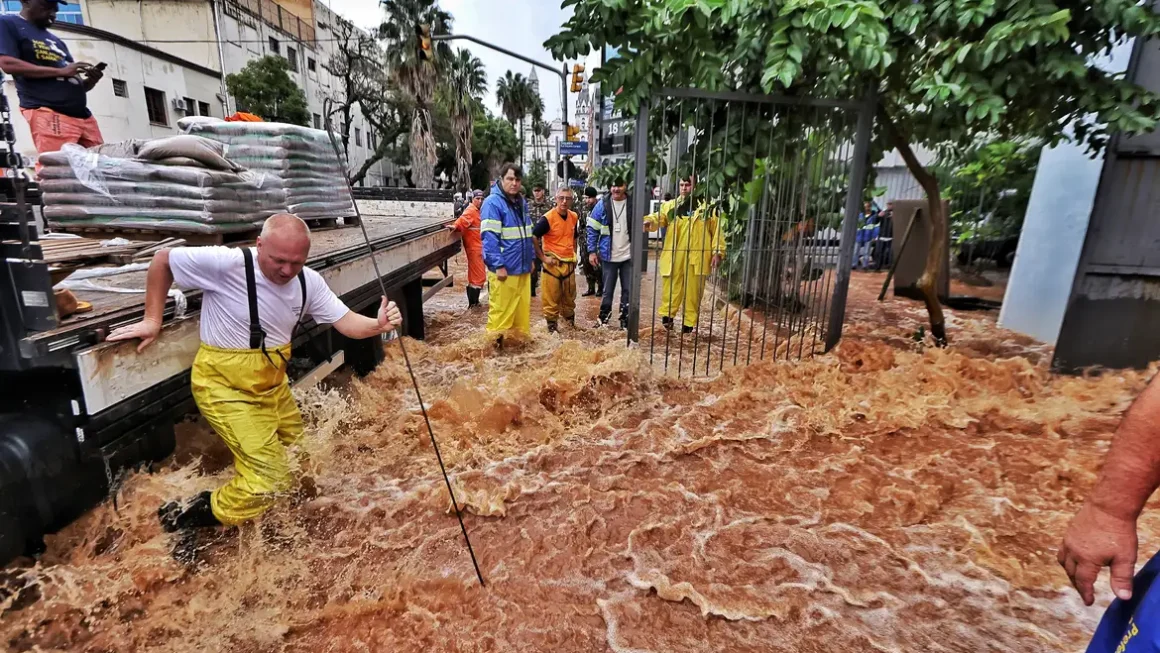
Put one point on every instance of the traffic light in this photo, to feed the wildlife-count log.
(423, 39)
(572, 133)
(577, 78)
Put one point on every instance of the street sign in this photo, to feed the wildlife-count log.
(572, 148)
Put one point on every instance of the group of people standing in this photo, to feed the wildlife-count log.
(874, 240)
(512, 244)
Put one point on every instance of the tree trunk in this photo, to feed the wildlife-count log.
(463, 152)
(422, 149)
(361, 173)
(936, 255)
(521, 142)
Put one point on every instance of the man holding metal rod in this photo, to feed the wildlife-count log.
(252, 302)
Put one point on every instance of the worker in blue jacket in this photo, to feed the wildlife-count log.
(610, 247)
(508, 252)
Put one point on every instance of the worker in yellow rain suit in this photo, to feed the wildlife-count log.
(252, 301)
(555, 234)
(508, 253)
(694, 246)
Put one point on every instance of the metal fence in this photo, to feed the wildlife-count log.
(754, 258)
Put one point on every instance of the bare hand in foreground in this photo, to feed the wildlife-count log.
(145, 330)
(593, 260)
(501, 274)
(389, 316)
(1094, 540)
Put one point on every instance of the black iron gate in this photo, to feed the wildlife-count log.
(750, 202)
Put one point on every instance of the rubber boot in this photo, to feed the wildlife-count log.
(604, 317)
(198, 514)
(553, 327)
(687, 329)
(623, 322)
(667, 323)
(472, 297)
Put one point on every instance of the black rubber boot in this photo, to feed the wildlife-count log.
(667, 322)
(604, 317)
(623, 322)
(472, 297)
(553, 327)
(687, 329)
(198, 514)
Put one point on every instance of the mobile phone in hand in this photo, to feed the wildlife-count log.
(101, 66)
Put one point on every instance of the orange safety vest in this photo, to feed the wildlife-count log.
(560, 241)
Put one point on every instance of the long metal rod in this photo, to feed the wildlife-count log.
(406, 359)
(901, 248)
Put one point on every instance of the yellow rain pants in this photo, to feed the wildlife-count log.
(509, 303)
(559, 292)
(247, 401)
(681, 294)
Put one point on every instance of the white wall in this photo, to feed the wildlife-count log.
(1054, 229)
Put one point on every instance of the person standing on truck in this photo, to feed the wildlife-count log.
(51, 85)
(468, 226)
(508, 252)
(538, 207)
(591, 272)
(555, 235)
(252, 301)
(1103, 533)
(693, 247)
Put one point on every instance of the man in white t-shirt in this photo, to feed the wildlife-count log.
(610, 247)
(252, 301)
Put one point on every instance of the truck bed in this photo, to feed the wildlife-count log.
(110, 309)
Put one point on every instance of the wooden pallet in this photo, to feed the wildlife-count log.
(319, 224)
(86, 251)
(153, 235)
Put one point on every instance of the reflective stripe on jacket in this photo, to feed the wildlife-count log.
(599, 238)
(507, 233)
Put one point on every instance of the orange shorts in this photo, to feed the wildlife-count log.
(51, 130)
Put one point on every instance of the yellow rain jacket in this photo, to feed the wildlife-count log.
(691, 240)
(693, 237)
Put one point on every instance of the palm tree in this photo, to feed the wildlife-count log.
(465, 84)
(510, 93)
(416, 76)
(536, 108)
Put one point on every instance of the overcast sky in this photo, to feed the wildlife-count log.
(518, 25)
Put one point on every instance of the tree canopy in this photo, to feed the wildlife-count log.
(943, 71)
(264, 87)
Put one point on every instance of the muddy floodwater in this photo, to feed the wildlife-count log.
(885, 497)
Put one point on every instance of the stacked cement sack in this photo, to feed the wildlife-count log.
(303, 158)
(181, 184)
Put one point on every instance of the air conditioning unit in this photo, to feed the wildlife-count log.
(180, 105)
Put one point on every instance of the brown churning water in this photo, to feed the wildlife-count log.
(886, 497)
